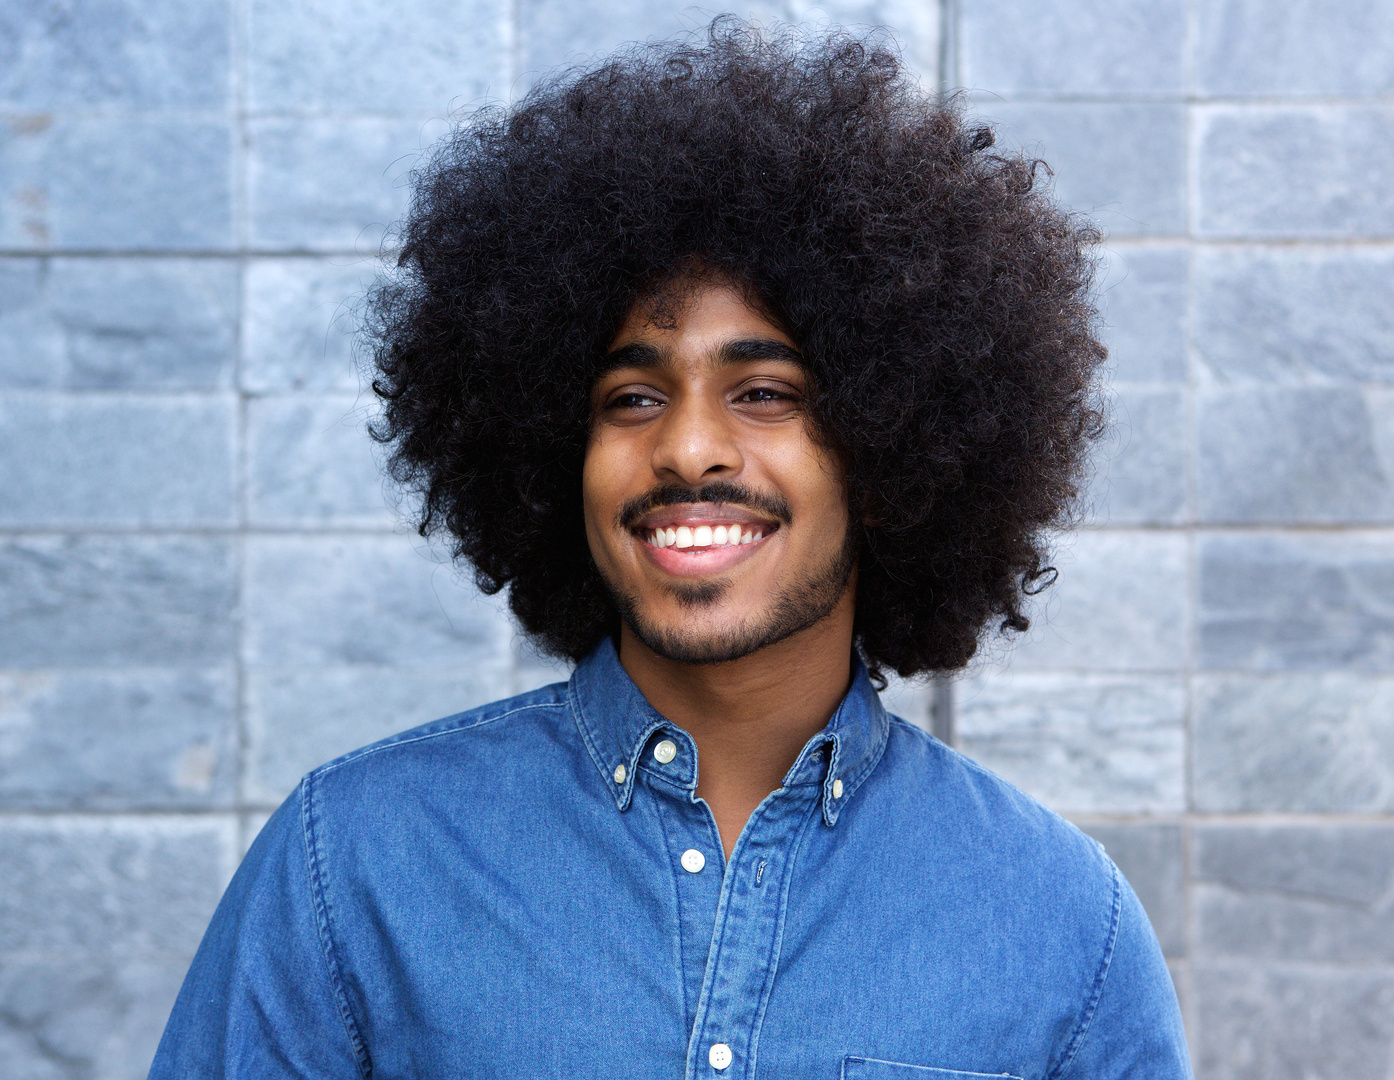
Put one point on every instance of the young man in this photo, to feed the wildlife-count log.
(750, 373)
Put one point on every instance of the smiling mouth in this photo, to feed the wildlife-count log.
(700, 538)
(704, 537)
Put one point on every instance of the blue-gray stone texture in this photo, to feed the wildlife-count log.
(205, 588)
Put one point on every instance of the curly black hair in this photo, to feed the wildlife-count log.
(940, 296)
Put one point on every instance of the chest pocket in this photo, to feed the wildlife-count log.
(858, 1068)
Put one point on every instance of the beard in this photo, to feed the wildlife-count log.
(796, 607)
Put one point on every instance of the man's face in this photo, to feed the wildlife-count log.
(716, 519)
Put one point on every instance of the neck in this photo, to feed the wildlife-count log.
(749, 717)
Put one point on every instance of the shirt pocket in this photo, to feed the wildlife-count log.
(860, 1068)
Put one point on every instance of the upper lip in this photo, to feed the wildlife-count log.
(706, 513)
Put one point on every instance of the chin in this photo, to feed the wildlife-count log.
(709, 636)
(688, 647)
(700, 596)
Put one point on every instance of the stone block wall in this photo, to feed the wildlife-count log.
(204, 589)
(1208, 691)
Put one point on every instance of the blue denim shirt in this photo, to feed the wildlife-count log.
(529, 891)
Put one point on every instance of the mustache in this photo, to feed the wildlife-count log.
(718, 491)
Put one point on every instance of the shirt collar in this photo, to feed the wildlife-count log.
(620, 728)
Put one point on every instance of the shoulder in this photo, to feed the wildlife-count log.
(476, 729)
(940, 788)
(1033, 876)
(450, 782)
(1058, 913)
(467, 748)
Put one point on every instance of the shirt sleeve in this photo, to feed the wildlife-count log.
(1135, 1031)
(262, 997)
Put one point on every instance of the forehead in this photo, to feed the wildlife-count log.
(711, 321)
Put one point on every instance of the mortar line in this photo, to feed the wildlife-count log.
(1188, 97)
(514, 47)
(1189, 1019)
(944, 61)
(242, 18)
(1333, 243)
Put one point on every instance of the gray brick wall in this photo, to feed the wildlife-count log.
(203, 590)
(1209, 693)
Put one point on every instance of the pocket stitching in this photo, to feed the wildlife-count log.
(923, 1068)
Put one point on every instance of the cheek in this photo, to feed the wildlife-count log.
(813, 483)
(604, 486)
(594, 495)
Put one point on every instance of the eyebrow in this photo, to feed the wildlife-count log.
(734, 352)
(639, 354)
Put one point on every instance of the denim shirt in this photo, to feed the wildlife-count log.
(533, 889)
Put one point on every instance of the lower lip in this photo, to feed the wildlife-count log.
(698, 562)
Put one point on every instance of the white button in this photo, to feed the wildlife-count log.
(837, 789)
(665, 751)
(693, 861)
(620, 774)
(719, 1056)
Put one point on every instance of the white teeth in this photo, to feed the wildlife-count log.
(702, 536)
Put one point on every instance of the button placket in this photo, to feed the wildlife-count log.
(744, 950)
(687, 828)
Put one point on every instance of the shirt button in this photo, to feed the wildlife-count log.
(719, 1056)
(620, 773)
(665, 751)
(693, 861)
(837, 789)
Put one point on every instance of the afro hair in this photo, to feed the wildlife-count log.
(939, 295)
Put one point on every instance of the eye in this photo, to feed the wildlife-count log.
(763, 393)
(768, 402)
(633, 399)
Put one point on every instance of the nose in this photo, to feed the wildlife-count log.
(696, 442)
